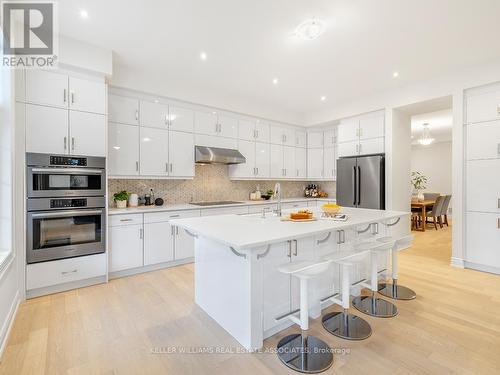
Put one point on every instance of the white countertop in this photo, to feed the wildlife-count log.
(251, 231)
(187, 206)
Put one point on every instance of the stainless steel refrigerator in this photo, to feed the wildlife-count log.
(361, 181)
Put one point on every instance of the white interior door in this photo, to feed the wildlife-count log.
(87, 133)
(88, 96)
(181, 119)
(262, 159)
(123, 149)
(123, 110)
(158, 243)
(46, 129)
(276, 157)
(154, 152)
(47, 88)
(247, 169)
(154, 115)
(289, 166)
(181, 154)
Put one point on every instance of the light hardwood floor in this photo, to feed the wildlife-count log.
(452, 327)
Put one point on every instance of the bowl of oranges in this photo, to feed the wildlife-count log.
(331, 208)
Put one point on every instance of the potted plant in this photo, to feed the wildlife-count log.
(418, 181)
(120, 199)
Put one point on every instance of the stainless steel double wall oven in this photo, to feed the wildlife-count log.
(66, 214)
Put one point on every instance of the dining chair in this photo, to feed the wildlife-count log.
(444, 209)
(431, 196)
(435, 213)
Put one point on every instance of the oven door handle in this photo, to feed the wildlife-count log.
(67, 213)
(67, 170)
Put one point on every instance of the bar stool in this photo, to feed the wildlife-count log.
(395, 290)
(372, 305)
(301, 352)
(342, 323)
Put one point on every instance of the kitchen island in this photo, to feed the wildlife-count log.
(237, 281)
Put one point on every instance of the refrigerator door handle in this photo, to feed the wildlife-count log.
(359, 185)
(354, 184)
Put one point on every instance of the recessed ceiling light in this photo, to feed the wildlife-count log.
(203, 56)
(323, 98)
(84, 13)
(395, 74)
(157, 101)
(310, 29)
(275, 81)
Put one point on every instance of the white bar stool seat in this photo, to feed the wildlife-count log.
(301, 352)
(395, 290)
(373, 305)
(342, 323)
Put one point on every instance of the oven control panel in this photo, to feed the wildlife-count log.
(68, 203)
(67, 160)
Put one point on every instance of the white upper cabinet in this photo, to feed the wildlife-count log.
(372, 125)
(154, 152)
(154, 115)
(181, 119)
(276, 162)
(228, 126)
(300, 138)
(87, 133)
(315, 163)
(46, 129)
(372, 146)
(262, 132)
(329, 138)
(282, 135)
(87, 96)
(289, 137)
(181, 154)
(246, 130)
(123, 150)
(348, 130)
(247, 169)
(206, 123)
(300, 162)
(215, 141)
(329, 163)
(483, 185)
(315, 139)
(123, 109)
(483, 140)
(289, 165)
(262, 159)
(47, 88)
(484, 104)
(348, 148)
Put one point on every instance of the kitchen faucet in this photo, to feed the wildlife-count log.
(277, 195)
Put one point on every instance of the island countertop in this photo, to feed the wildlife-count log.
(252, 231)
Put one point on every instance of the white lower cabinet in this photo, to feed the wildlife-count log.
(183, 244)
(158, 243)
(243, 210)
(45, 274)
(482, 240)
(126, 247)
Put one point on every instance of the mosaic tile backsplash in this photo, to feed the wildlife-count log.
(211, 183)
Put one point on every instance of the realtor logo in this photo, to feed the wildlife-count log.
(30, 31)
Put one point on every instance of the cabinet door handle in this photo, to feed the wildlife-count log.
(73, 143)
(175, 215)
(257, 170)
(256, 134)
(72, 97)
(498, 109)
(64, 95)
(166, 167)
(141, 233)
(498, 203)
(289, 255)
(171, 167)
(125, 219)
(65, 143)
(176, 231)
(498, 149)
(297, 173)
(137, 166)
(498, 223)
(137, 114)
(171, 230)
(68, 272)
(295, 252)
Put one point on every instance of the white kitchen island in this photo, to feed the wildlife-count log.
(237, 282)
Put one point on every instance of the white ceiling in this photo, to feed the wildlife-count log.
(440, 125)
(248, 43)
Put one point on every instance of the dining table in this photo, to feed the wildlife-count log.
(423, 206)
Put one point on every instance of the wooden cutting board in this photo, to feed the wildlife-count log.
(287, 218)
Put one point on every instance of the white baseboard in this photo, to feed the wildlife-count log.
(152, 267)
(8, 323)
(65, 287)
(482, 267)
(457, 262)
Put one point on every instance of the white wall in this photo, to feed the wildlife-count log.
(434, 161)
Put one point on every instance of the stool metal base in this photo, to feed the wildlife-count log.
(374, 306)
(396, 291)
(306, 354)
(347, 326)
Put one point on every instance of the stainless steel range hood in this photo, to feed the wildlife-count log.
(215, 155)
